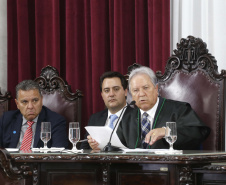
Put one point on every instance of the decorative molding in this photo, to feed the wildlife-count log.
(12, 171)
(115, 158)
(105, 172)
(7, 96)
(185, 175)
(130, 68)
(49, 81)
(215, 167)
(191, 54)
(35, 174)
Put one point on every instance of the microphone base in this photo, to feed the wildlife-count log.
(110, 148)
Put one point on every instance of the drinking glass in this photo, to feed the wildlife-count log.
(171, 133)
(74, 133)
(45, 133)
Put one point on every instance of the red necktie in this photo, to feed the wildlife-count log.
(26, 143)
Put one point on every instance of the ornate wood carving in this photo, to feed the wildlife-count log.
(191, 54)
(5, 97)
(122, 158)
(105, 170)
(6, 164)
(185, 176)
(50, 81)
(132, 67)
(35, 174)
(215, 167)
(4, 102)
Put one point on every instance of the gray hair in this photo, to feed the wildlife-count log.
(27, 85)
(143, 70)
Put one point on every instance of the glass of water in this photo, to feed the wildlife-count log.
(45, 133)
(74, 133)
(171, 134)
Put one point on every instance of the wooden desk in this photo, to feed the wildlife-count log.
(112, 168)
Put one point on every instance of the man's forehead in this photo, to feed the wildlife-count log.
(34, 93)
(111, 87)
(115, 81)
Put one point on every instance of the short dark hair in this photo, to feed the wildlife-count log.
(112, 74)
(27, 85)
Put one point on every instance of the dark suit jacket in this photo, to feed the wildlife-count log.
(10, 127)
(99, 119)
(191, 131)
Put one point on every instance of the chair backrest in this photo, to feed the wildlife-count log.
(57, 95)
(191, 75)
(4, 102)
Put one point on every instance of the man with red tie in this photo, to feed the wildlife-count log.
(21, 128)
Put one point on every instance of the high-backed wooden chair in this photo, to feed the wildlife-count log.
(191, 75)
(4, 102)
(57, 95)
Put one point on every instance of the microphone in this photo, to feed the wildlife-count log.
(109, 147)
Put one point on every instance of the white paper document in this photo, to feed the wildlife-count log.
(12, 149)
(102, 136)
(52, 149)
(156, 151)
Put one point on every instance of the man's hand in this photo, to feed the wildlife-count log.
(93, 143)
(154, 135)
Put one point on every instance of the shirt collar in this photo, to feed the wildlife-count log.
(117, 113)
(151, 112)
(25, 121)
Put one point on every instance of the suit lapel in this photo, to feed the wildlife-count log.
(103, 118)
(15, 132)
(158, 113)
(135, 130)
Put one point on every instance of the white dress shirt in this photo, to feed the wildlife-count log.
(24, 128)
(151, 113)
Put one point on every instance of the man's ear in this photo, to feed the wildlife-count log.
(157, 87)
(42, 99)
(126, 92)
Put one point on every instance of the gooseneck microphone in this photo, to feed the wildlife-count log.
(109, 147)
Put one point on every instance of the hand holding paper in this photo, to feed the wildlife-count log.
(102, 135)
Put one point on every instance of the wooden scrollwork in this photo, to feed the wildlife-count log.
(191, 54)
(12, 172)
(50, 81)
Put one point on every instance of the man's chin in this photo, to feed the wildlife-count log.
(30, 117)
(144, 107)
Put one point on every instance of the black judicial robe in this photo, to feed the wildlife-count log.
(191, 131)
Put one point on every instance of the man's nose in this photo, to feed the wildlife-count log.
(111, 93)
(141, 92)
(30, 105)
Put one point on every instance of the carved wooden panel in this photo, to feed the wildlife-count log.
(70, 173)
(57, 94)
(4, 102)
(191, 75)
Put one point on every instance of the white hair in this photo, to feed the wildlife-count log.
(143, 70)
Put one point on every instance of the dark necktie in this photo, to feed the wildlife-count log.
(145, 126)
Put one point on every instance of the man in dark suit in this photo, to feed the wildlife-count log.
(113, 87)
(145, 126)
(15, 125)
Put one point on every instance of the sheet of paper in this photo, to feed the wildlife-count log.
(102, 136)
(156, 151)
(53, 149)
(12, 149)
